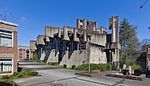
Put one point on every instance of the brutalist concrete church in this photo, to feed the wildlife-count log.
(83, 44)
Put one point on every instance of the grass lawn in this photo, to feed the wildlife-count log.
(7, 83)
(7, 80)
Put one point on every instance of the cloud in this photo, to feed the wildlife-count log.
(23, 19)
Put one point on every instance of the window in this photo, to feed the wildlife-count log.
(20, 50)
(82, 46)
(6, 38)
(5, 65)
(27, 51)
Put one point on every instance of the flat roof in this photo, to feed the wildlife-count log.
(9, 23)
(25, 47)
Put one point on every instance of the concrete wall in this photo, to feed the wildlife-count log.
(42, 54)
(77, 57)
(84, 32)
(97, 55)
(51, 31)
(41, 39)
(53, 55)
(99, 39)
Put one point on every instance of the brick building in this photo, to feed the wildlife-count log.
(83, 44)
(8, 47)
(24, 53)
(144, 58)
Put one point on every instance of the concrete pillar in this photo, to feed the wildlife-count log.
(84, 36)
(84, 24)
(75, 35)
(78, 23)
(65, 33)
(113, 30)
(59, 32)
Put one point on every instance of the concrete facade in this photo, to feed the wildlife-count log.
(8, 47)
(83, 44)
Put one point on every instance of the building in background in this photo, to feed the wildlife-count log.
(8, 47)
(144, 58)
(24, 53)
(83, 44)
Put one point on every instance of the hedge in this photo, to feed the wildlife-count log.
(85, 67)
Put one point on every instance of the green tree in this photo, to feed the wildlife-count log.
(35, 56)
(128, 40)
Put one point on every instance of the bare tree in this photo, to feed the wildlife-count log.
(128, 39)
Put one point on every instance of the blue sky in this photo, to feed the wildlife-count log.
(33, 15)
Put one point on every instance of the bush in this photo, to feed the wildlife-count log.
(122, 60)
(65, 66)
(20, 75)
(33, 73)
(82, 67)
(28, 73)
(8, 83)
(73, 67)
(35, 56)
(102, 67)
(54, 63)
(5, 77)
(15, 73)
(43, 61)
(136, 66)
(23, 73)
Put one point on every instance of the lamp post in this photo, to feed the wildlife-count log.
(88, 55)
(88, 52)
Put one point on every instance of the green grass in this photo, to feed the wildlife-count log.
(22, 74)
(8, 83)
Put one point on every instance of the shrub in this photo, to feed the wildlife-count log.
(131, 62)
(65, 66)
(15, 73)
(82, 67)
(23, 73)
(123, 60)
(33, 73)
(73, 67)
(8, 83)
(35, 56)
(43, 61)
(28, 73)
(102, 67)
(54, 63)
(5, 77)
(20, 75)
(136, 66)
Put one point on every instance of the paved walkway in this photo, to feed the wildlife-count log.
(65, 77)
